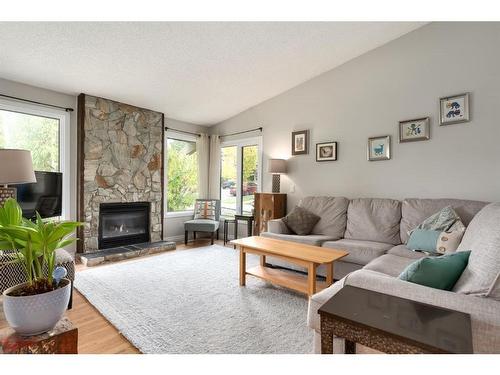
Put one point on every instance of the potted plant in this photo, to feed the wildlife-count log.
(37, 305)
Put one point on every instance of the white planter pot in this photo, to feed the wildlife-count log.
(32, 315)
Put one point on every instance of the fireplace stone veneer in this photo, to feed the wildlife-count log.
(120, 161)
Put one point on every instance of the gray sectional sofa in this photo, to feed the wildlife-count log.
(374, 232)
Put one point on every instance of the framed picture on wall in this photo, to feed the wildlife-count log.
(300, 142)
(379, 148)
(454, 109)
(326, 151)
(414, 130)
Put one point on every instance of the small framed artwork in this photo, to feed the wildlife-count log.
(300, 142)
(379, 148)
(454, 109)
(326, 151)
(414, 130)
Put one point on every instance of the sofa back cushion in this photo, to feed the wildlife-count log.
(332, 212)
(414, 211)
(482, 237)
(374, 219)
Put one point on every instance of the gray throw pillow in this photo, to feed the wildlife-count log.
(446, 220)
(300, 221)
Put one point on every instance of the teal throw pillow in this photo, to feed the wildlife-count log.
(439, 273)
(434, 242)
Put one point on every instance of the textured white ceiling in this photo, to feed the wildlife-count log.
(196, 72)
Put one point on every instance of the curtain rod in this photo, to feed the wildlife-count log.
(182, 131)
(67, 109)
(242, 132)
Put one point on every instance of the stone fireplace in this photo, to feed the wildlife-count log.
(120, 164)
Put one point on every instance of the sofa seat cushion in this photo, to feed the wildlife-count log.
(360, 252)
(403, 251)
(374, 220)
(482, 237)
(389, 264)
(201, 225)
(414, 211)
(332, 212)
(311, 239)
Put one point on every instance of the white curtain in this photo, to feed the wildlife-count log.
(214, 168)
(202, 149)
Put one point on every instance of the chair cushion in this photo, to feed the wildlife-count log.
(300, 221)
(201, 225)
(414, 211)
(437, 272)
(311, 239)
(482, 237)
(332, 212)
(374, 220)
(360, 252)
(389, 264)
(403, 251)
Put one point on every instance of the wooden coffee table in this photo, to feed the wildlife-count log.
(307, 256)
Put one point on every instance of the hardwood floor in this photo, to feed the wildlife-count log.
(95, 334)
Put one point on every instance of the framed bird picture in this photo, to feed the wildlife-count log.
(454, 109)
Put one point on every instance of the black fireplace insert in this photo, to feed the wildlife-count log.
(123, 224)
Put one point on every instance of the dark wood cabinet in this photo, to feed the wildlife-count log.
(268, 206)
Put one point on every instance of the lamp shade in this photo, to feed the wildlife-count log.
(276, 166)
(16, 167)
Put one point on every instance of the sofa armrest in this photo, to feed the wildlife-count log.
(485, 319)
(277, 226)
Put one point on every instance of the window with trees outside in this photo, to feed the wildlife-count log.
(41, 131)
(240, 176)
(182, 174)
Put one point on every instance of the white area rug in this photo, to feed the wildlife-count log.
(191, 302)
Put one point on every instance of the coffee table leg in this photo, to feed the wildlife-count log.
(243, 267)
(329, 274)
(263, 260)
(311, 279)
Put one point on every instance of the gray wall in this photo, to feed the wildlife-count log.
(367, 96)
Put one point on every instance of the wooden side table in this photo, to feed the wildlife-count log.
(63, 339)
(391, 324)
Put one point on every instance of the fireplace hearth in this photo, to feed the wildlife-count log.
(123, 224)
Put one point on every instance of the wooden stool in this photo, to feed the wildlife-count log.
(63, 339)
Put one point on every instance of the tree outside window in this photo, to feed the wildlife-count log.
(182, 175)
(38, 134)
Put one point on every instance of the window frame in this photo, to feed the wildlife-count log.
(178, 137)
(240, 143)
(64, 142)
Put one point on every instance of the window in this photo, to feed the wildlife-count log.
(38, 134)
(240, 175)
(42, 131)
(182, 174)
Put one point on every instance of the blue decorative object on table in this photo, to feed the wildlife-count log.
(58, 274)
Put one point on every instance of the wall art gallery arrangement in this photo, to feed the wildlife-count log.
(452, 110)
